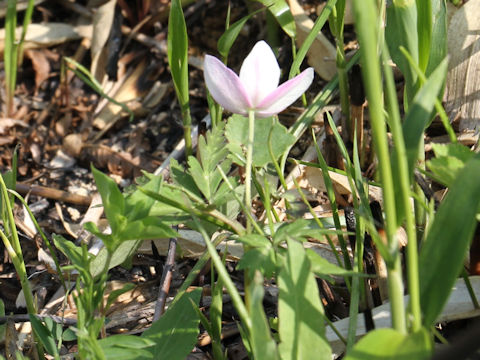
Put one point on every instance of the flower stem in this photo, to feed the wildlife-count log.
(248, 167)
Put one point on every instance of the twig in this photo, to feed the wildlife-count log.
(166, 279)
(25, 318)
(54, 194)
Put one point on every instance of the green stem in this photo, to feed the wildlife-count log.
(227, 281)
(412, 247)
(248, 167)
(365, 16)
(187, 130)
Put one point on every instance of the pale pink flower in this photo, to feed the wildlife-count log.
(257, 86)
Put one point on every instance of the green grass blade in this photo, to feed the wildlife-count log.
(442, 255)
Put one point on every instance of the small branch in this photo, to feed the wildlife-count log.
(166, 279)
(18, 318)
(54, 194)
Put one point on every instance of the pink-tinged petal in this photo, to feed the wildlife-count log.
(260, 72)
(225, 86)
(285, 94)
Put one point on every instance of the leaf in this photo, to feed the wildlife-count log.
(44, 335)
(3, 327)
(281, 12)
(418, 116)
(112, 199)
(237, 135)
(322, 267)
(125, 347)
(227, 39)
(137, 204)
(390, 344)
(300, 311)
(177, 42)
(263, 346)
(175, 333)
(439, 37)
(448, 161)
(183, 178)
(261, 259)
(401, 31)
(449, 238)
(122, 253)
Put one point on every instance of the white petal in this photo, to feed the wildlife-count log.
(285, 94)
(260, 72)
(225, 86)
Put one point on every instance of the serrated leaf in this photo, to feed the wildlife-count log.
(296, 230)
(237, 134)
(183, 178)
(254, 240)
(300, 311)
(199, 176)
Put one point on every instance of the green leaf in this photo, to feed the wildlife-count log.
(230, 35)
(183, 178)
(177, 51)
(297, 229)
(322, 267)
(401, 30)
(122, 253)
(438, 42)
(125, 347)
(201, 178)
(4, 326)
(300, 311)
(418, 116)
(237, 135)
(281, 12)
(254, 240)
(137, 204)
(112, 199)
(175, 333)
(448, 161)
(262, 259)
(449, 238)
(146, 229)
(389, 344)
(44, 335)
(263, 345)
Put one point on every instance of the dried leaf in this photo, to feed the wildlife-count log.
(41, 66)
(463, 89)
(102, 24)
(49, 34)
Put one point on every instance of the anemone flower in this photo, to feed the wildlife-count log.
(256, 89)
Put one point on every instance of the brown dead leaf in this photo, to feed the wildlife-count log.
(40, 65)
(463, 88)
(102, 24)
(49, 34)
(322, 53)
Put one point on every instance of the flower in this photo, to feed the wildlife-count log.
(257, 86)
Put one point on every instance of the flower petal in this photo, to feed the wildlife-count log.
(285, 94)
(260, 72)
(225, 86)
